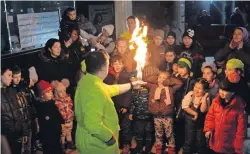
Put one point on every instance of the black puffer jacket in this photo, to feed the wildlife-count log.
(13, 122)
(242, 54)
(49, 68)
(139, 106)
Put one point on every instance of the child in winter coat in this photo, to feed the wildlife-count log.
(167, 63)
(185, 75)
(26, 99)
(225, 123)
(118, 75)
(209, 73)
(243, 90)
(162, 107)
(65, 106)
(69, 20)
(49, 119)
(195, 104)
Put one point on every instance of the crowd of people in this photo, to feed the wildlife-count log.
(184, 104)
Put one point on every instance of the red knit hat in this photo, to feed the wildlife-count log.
(43, 86)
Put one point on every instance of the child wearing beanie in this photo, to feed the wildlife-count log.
(225, 123)
(171, 40)
(185, 75)
(236, 66)
(65, 106)
(49, 119)
(191, 48)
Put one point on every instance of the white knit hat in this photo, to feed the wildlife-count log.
(32, 74)
(210, 64)
(109, 28)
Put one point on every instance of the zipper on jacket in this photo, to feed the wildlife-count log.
(219, 129)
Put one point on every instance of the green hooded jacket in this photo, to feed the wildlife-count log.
(96, 116)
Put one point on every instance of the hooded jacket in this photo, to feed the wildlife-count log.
(228, 126)
(96, 116)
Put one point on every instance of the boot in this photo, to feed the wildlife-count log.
(171, 150)
(126, 149)
(158, 149)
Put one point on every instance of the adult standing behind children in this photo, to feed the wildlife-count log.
(238, 48)
(97, 127)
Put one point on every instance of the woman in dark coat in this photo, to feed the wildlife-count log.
(51, 64)
(238, 48)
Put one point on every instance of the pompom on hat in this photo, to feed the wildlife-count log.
(57, 85)
(43, 86)
(235, 63)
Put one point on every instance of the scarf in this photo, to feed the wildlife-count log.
(158, 95)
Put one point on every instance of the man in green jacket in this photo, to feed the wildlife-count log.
(97, 121)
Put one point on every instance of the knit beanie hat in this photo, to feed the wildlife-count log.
(235, 63)
(230, 82)
(43, 86)
(185, 62)
(57, 85)
(32, 74)
(109, 28)
(171, 33)
(209, 64)
(189, 33)
(245, 34)
(159, 32)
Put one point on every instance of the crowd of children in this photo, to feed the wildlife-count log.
(188, 105)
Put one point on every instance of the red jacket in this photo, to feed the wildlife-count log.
(228, 126)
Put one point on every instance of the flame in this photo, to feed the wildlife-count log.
(137, 39)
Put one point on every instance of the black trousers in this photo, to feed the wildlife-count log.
(144, 131)
(52, 144)
(125, 136)
(15, 143)
(194, 137)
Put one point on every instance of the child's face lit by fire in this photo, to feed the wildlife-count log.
(118, 66)
(162, 77)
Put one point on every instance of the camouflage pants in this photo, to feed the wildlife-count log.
(164, 124)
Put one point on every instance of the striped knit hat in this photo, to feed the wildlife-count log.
(185, 62)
